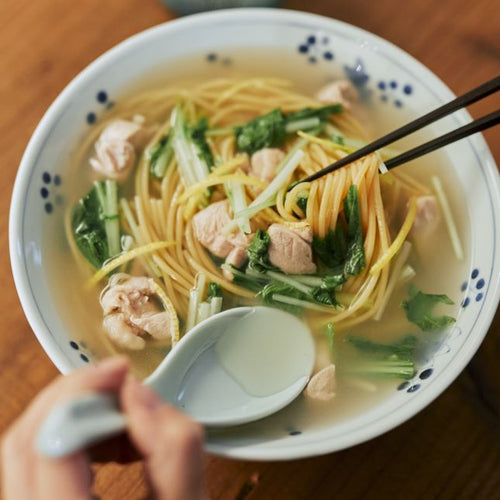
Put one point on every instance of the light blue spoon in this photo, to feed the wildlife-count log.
(235, 367)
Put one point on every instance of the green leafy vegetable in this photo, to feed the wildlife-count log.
(270, 130)
(341, 251)
(214, 290)
(332, 249)
(160, 155)
(272, 289)
(355, 257)
(403, 348)
(197, 133)
(392, 367)
(258, 252)
(325, 293)
(322, 113)
(302, 198)
(95, 223)
(337, 139)
(262, 132)
(419, 309)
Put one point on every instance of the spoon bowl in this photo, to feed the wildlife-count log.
(235, 367)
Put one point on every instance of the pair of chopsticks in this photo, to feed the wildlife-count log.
(470, 97)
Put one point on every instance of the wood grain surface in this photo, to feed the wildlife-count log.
(449, 450)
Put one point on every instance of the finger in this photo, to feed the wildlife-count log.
(20, 458)
(171, 442)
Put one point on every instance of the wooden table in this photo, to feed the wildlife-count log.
(449, 450)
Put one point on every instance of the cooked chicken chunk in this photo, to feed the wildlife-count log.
(236, 258)
(263, 163)
(290, 249)
(340, 91)
(427, 217)
(116, 149)
(208, 226)
(130, 312)
(321, 387)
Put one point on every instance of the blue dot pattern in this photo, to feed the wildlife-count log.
(91, 118)
(84, 358)
(394, 92)
(426, 374)
(102, 96)
(414, 388)
(403, 386)
(74, 345)
(472, 287)
(45, 192)
(314, 50)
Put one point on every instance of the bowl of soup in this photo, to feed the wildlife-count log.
(161, 187)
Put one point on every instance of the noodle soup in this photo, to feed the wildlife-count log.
(196, 210)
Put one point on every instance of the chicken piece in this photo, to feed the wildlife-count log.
(122, 333)
(236, 258)
(155, 324)
(427, 217)
(116, 149)
(290, 250)
(130, 312)
(208, 227)
(321, 387)
(339, 91)
(263, 163)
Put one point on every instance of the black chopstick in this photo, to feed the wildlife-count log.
(470, 97)
(455, 135)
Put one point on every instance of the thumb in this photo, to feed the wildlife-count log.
(170, 441)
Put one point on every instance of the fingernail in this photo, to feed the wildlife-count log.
(145, 396)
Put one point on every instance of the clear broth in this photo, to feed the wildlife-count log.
(438, 271)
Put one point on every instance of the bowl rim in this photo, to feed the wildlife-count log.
(36, 143)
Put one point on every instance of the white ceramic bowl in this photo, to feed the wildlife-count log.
(387, 76)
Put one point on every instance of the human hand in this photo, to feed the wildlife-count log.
(170, 442)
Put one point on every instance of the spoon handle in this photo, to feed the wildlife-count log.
(74, 425)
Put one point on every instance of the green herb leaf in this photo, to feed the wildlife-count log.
(89, 232)
(355, 257)
(197, 134)
(392, 367)
(322, 113)
(325, 294)
(419, 309)
(160, 155)
(262, 132)
(302, 198)
(214, 290)
(258, 257)
(332, 249)
(403, 348)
